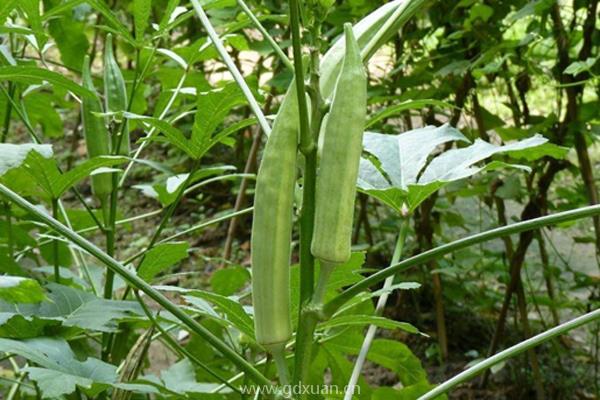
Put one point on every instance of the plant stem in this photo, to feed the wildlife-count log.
(306, 139)
(278, 353)
(9, 233)
(282, 56)
(237, 76)
(55, 243)
(583, 212)
(366, 345)
(179, 348)
(511, 352)
(138, 283)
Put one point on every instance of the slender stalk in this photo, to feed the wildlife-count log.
(583, 212)
(7, 113)
(55, 243)
(281, 364)
(306, 139)
(366, 345)
(237, 76)
(138, 283)
(282, 56)
(511, 352)
(9, 233)
(182, 351)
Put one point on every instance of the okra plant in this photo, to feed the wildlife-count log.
(297, 200)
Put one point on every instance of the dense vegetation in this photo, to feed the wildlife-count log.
(161, 161)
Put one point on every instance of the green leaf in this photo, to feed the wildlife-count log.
(232, 309)
(172, 134)
(83, 170)
(69, 36)
(161, 257)
(141, 17)
(577, 67)
(13, 155)
(17, 326)
(61, 371)
(5, 9)
(359, 320)
(103, 315)
(16, 289)
(32, 10)
(76, 308)
(102, 8)
(181, 378)
(230, 306)
(396, 172)
(230, 280)
(213, 106)
(391, 354)
(167, 190)
(34, 75)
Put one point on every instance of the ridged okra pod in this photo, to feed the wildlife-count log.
(95, 133)
(115, 92)
(272, 229)
(338, 167)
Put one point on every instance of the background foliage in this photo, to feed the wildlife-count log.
(515, 82)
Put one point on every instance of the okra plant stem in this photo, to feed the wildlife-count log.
(531, 224)
(55, 244)
(364, 350)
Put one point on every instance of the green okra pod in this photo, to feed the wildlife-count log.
(340, 158)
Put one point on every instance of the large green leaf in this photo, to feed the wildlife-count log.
(398, 172)
(73, 308)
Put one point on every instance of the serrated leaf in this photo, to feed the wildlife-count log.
(231, 307)
(161, 257)
(213, 107)
(141, 17)
(102, 8)
(103, 315)
(60, 370)
(75, 308)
